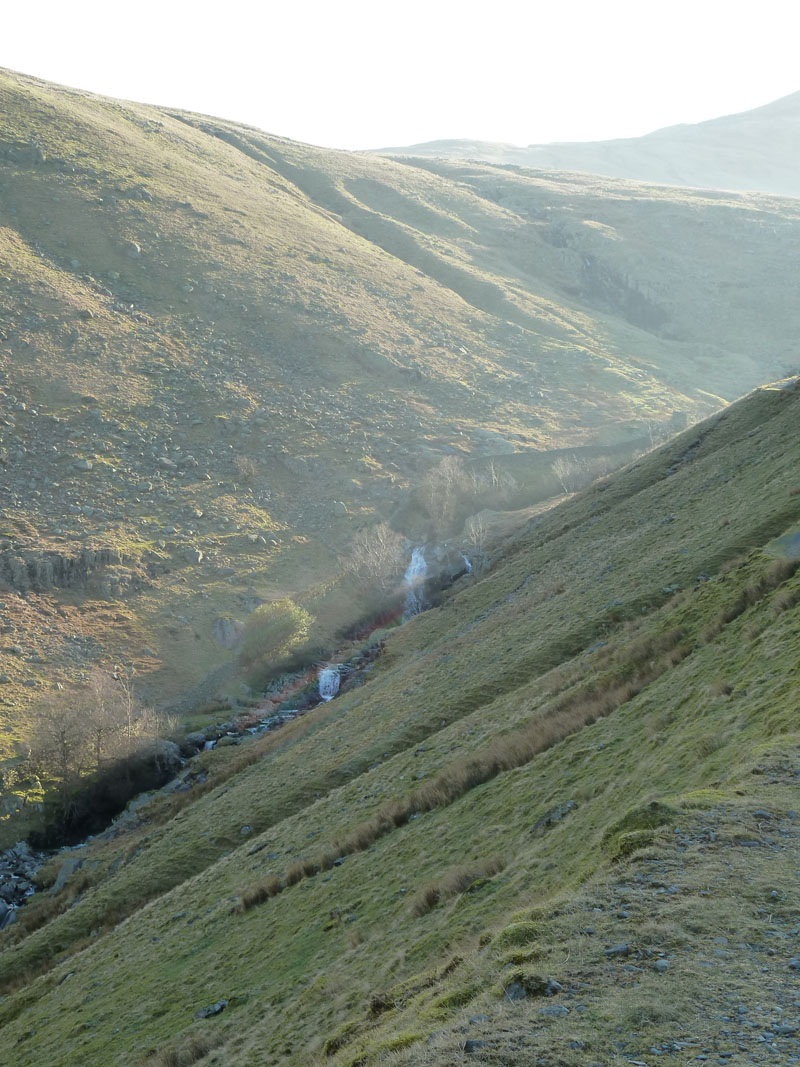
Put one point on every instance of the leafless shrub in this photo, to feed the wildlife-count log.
(246, 468)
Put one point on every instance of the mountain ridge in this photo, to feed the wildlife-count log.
(747, 150)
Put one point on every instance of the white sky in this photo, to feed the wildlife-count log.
(366, 74)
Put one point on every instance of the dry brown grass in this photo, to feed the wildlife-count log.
(572, 713)
(258, 893)
(720, 688)
(193, 1049)
(785, 601)
(775, 575)
(453, 882)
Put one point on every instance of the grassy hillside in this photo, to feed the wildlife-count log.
(555, 820)
(218, 342)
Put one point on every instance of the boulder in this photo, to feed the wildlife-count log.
(195, 740)
(68, 868)
(227, 632)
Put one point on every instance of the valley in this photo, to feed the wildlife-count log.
(438, 519)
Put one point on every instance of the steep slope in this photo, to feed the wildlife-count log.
(612, 707)
(222, 351)
(754, 149)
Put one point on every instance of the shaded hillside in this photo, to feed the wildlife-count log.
(528, 832)
(223, 351)
(755, 149)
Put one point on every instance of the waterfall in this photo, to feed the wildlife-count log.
(414, 580)
(467, 563)
(328, 683)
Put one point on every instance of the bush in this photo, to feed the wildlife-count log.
(272, 632)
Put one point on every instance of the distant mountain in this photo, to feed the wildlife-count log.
(752, 150)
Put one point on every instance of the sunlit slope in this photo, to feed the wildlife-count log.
(637, 644)
(754, 149)
(210, 335)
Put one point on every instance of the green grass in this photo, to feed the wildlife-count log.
(365, 315)
(452, 686)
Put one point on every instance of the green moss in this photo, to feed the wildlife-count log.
(518, 933)
(445, 1004)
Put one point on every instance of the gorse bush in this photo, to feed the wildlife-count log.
(272, 633)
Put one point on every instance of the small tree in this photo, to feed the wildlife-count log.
(60, 742)
(441, 488)
(477, 532)
(377, 558)
(272, 632)
(572, 474)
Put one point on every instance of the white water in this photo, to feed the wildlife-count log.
(414, 580)
(467, 563)
(329, 683)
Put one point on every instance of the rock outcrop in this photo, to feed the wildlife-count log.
(36, 571)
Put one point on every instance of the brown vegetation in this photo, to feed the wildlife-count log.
(453, 882)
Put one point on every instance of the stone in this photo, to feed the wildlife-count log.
(661, 966)
(68, 868)
(83, 465)
(623, 949)
(515, 991)
(212, 1009)
(556, 1011)
(227, 632)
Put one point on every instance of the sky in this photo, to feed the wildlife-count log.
(365, 74)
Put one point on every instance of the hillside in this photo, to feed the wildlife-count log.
(222, 352)
(754, 149)
(554, 823)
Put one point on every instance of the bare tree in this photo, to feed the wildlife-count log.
(377, 557)
(441, 488)
(571, 473)
(102, 723)
(477, 532)
(60, 742)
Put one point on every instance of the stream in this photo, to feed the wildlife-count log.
(19, 865)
